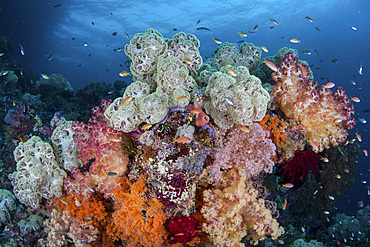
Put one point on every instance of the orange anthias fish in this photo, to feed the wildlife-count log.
(126, 101)
(285, 203)
(114, 139)
(182, 97)
(124, 73)
(182, 139)
(303, 70)
(271, 65)
(288, 185)
(275, 22)
(359, 138)
(314, 145)
(146, 126)
(255, 27)
(264, 48)
(355, 99)
(244, 128)
(329, 85)
(295, 41)
(187, 60)
(365, 152)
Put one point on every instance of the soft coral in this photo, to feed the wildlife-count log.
(296, 169)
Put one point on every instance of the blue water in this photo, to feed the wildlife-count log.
(344, 34)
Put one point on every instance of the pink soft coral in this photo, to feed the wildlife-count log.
(250, 152)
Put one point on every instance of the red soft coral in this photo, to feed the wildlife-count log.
(183, 229)
(297, 169)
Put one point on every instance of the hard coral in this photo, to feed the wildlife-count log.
(297, 169)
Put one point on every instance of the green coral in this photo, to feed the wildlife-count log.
(235, 100)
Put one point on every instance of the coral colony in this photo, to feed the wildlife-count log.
(181, 157)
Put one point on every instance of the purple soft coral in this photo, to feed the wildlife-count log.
(250, 152)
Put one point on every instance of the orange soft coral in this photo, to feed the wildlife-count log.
(137, 220)
(275, 126)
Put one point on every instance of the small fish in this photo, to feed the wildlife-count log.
(306, 52)
(182, 139)
(325, 159)
(242, 34)
(331, 198)
(303, 70)
(21, 49)
(45, 76)
(314, 145)
(294, 40)
(303, 229)
(326, 212)
(280, 241)
(146, 126)
(346, 170)
(89, 54)
(244, 128)
(127, 36)
(317, 52)
(318, 29)
(57, 5)
(249, 151)
(229, 101)
(353, 82)
(126, 101)
(360, 204)
(362, 120)
(62, 232)
(114, 139)
(360, 69)
(50, 57)
(217, 40)
(198, 22)
(77, 191)
(231, 71)
(194, 111)
(273, 21)
(354, 28)
(204, 28)
(2, 54)
(255, 27)
(334, 60)
(363, 181)
(264, 49)
(124, 73)
(79, 65)
(315, 192)
(85, 44)
(338, 176)
(181, 98)
(120, 49)
(329, 85)
(251, 32)
(111, 174)
(309, 19)
(88, 218)
(217, 148)
(187, 60)
(73, 38)
(365, 152)
(114, 33)
(90, 189)
(288, 185)
(155, 182)
(270, 64)
(285, 203)
(84, 240)
(359, 138)
(64, 202)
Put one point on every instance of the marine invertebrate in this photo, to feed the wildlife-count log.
(325, 115)
(38, 173)
(183, 229)
(297, 169)
(249, 55)
(250, 152)
(136, 218)
(233, 211)
(235, 100)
